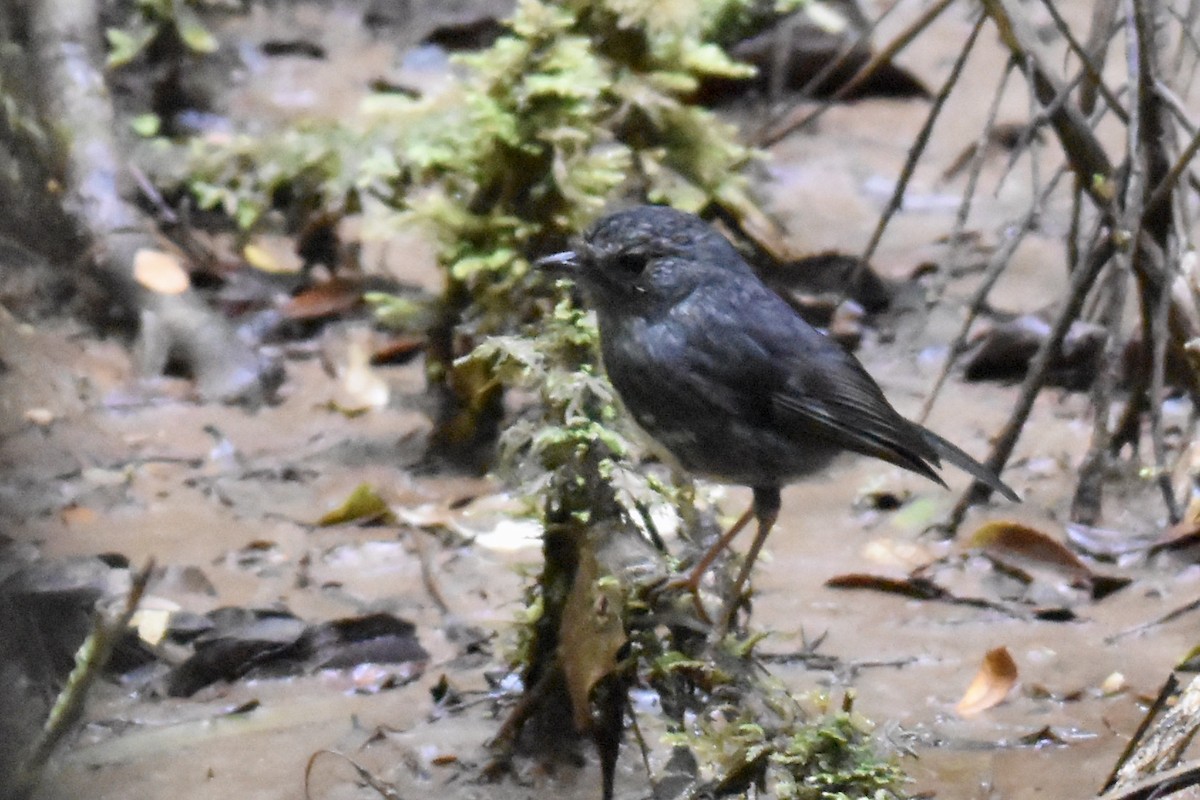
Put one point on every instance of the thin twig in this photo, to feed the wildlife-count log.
(1165, 693)
(978, 157)
(90, 661)
(1081, 283)
(889, 51)
(1177, 107)
(918, 146)
(996, 266)
(1104, 15)
(1165, 784)
(1164, 188)
(1038, 119)
(1083, 149)
(1148, 159)
(1162, 475)
(1187, 36)
(1170, 616)
(428, 579)
(851, 43)
(1094, 76)
(1087, 501)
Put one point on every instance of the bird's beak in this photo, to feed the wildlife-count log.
(566, 261)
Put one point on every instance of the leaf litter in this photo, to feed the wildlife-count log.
(487, 589)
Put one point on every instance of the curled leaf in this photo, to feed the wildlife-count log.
(364, 505)
(1013, 541)
(996, 677)
(328, 299)
(160, 271)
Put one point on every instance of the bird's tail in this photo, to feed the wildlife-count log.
(969, 465)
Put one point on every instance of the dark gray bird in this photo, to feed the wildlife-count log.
(726, 376)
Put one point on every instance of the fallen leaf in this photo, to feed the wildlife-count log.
(398, 350)
(348, 413)
(178, 579)
(917, 515)
(378, 638)
(160, 271)
(916, 588)
(328, 299)
(996, 677)
(1054, 614)
(99, 476)
(77, 515)
(1114, 684)
(258, 556)
(1004, 351)
(243, 708)
(591, 636)
(1041, 737)
(152, 620)
(1183, 535)
(1004, 136)
(269, 256)
(42, 417)
(360, 387)
(1103, 543)
(1104, 585)
(364, 505)
(882, 500)
(1028, 546)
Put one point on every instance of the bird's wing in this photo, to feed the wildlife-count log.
(847, 405)
(778, 369)
(749, 354)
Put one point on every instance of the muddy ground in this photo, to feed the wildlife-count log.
(115, 464)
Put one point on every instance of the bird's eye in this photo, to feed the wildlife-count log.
(630, 263)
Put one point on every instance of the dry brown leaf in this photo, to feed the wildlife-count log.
(398, 350)
(1014, 541)
(996, 677)
(78, 515)
(328, 299)
(591, 636)
(914, 587)
(160, 271)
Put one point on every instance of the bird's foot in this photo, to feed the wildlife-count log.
(691, 584)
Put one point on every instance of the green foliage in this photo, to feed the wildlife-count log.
(152, 20)
(577, 415)
(580, 101)
(820, 754)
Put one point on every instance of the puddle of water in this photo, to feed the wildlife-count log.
(917, 657)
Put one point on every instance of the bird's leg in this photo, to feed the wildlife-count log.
(692, 581)
(710, 555)
(766, 508)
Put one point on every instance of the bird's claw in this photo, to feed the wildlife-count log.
(691, 583)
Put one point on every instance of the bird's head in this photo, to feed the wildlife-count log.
(646, 256)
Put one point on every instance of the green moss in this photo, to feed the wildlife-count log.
(150, 21)
(582, 102)
(796, 753)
